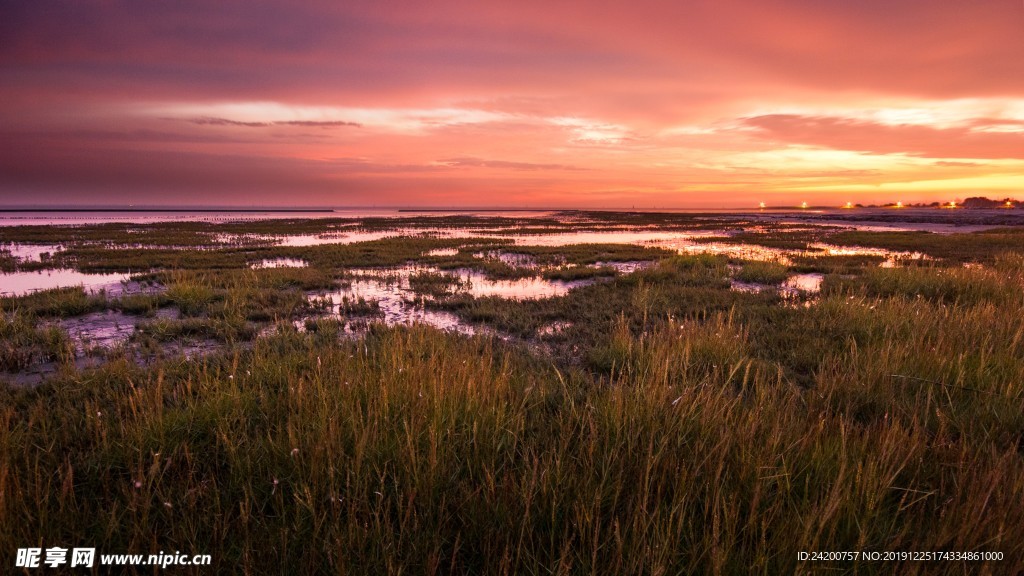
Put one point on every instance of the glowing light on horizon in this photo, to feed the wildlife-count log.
(803, 204)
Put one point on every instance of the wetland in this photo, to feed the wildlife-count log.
(635, 392)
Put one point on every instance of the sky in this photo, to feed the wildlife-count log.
(595, 104)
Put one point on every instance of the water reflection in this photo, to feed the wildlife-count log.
(31, 252)
(21, 283)
(892, 257)
(795, 285)
(638, 237)
(511, 258)
(442, 252)
(691, 242)
(810, 283)
(395, 304)
(348, 237)
(399, 303)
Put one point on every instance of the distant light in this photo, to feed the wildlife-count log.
(762, 204)
(952, 204)
(803, 205)
(1009, 204)
(849, 204)
(899, 204)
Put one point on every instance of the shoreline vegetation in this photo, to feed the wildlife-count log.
(776, 387)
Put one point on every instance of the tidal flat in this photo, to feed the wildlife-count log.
(551, 392)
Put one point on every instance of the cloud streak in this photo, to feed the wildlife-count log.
(504, 164)
(210, 121)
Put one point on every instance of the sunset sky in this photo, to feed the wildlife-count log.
(718, 103)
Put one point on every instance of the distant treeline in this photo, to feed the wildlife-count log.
(982, 202)
(975, 202)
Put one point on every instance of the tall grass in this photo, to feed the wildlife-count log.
(8, 262)
(23, 342)
(56, 302)
(999, 283)
(192, 297)
(574, 273)
(763, 272)
(982, 246)
(436, 284)
(416, 450)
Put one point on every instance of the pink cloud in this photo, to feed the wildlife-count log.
(876, 138)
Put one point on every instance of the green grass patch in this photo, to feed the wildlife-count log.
(24, 343)
(935, 283)
(763, 272)
(414, 449)
(574, 273)
(56, 302)
(973, 247)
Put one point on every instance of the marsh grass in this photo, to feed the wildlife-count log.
(997, 284)
(23, 343)
(139, 304)
(8, 262)
(191, 296)
(834, 263)
(763, 272)
(181, 234)
(327, 328)
(589, 254)
(392, 251)
(982, 246)
(673, 426)
(415, 450)
(674, 286)
(56, 302)
(492, 269)
(434, 284)
(387, 252)
(574, 261)
(359, 306)
(574, 273)
(773, 238)
(227, 330)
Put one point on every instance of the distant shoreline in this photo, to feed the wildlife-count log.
(924, 218)
(983, 217)
(473, 210)
(187, 210)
